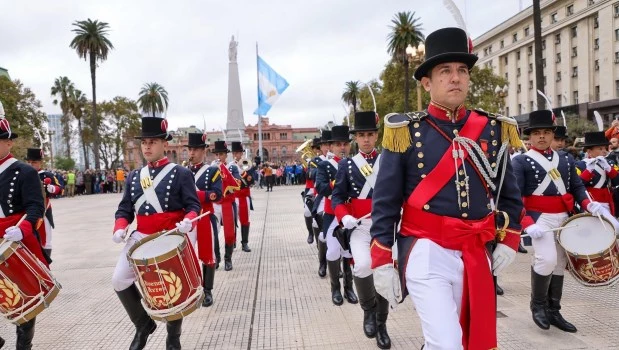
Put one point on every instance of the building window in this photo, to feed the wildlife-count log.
(515, 37)
(519, 108)
(502, 44)
(485, 52)
(530, 84)
(616, 10)
(596, 22)
(558, 60)
(569, 10)
(616, 57)
(574, 51)
(574, 71)
(616, 86)
(255, 137)
(544, 44)
(530, 50)
(553, 18)
(616, 34)
(530, 67)
(597, 92)
(526, 31)
(531, 105)
(597, 64)
(558, 76)
(518, 55)
(558, 100)
(574, 31)
(544, 80)
(518, 89)
(557, 38)
(284, 151)
(490, 49)
(543, 63)
(596, 43)
(283, 136)
(505, 60)
(518, 72)
(506, 110)
(506, 76)
(575, 96)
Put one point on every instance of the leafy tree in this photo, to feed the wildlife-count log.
(405, 30)
(91, 42)
(121, 121)
(61, 90)
(23, 111)
(481, 90)
(350, 97)
(153, 98)
(64, 163)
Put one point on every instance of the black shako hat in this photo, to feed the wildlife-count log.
(220, 147)
(154, 128)
(5, 127)
(316, 142)
(325, 136)
(561, 132)
(339, 133)
(34, 154)
(539, 120)
(595, 138)
(196, 140)
(237, 146)
(365, 121)
(446, 45)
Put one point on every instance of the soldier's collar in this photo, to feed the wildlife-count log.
(198, 166)
(8, 156)
(545, 152)
(161, 162)
(442, 112)
(370, 155)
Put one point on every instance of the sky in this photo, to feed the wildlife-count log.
(316, 45)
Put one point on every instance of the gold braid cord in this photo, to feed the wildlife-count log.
(509, 132)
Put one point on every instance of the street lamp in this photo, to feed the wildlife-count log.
(416, 56)
(502, 93)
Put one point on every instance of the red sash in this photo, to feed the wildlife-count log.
(204, 233)
(243, 210)
(429, 186)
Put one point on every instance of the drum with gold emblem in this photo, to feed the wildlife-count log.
(168, 275)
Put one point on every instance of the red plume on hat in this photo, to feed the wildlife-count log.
(164, 125)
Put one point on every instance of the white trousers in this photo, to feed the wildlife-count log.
(48, 234)
(549, 257)
(124, 275)
(434, 278)
(217, 212)
(334, 249)
(360, 247)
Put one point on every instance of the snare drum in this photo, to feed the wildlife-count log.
(27, 287)
(168, 274)
(591, 248)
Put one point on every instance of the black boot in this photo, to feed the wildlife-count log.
(228, 257)
(497, 288)
(48, 252)
(1, 342)
(322, 259)
(521, 249)
(554, 305)
(144, 325)
(217, 250)
(539, 295)
(336, 294)
(245, 238)
(25, 334)
(208, 276)
(173, 341)
(367, 300)
(349, 292)
(310, 229)
(382, 311)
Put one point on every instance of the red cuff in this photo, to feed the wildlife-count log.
(340, 211)
(586, 175)
(192, 215)
(526, 222)
(201, 196)
(120, 224)
(612, 173)
(584, 204)
(380, 254)
(26, 228)
(512, 239)
(58, 189)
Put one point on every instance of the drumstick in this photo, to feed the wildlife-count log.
(559, 228)
(599, 216)
(364, 217)
(192, 220)
(21, 220)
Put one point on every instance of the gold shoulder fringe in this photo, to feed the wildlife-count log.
(509, 131)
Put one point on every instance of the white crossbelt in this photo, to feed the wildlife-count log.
(333, 162)
(3, 167)
(602, 181)
(199, 174)
(552, 174)
(370, 180)
(149, 192)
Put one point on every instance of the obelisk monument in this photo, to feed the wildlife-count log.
(235, 124)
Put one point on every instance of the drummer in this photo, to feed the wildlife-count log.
(17, 199)
(161, 196)
(549, 185)
(596, 171)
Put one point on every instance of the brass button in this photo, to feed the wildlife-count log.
(455, 131)
(420, 155)
(420, 165)
(462, 183)
(494, 153)
(489, 206)
(493, 165)
(465, 215)
(495, 142)
(463, 194)
(426, 207)
(465, 204)
(416, 125)
(423, 176)
(461, 172)
(492, 133)
(418, 144)
(493, 122)
(417, 134)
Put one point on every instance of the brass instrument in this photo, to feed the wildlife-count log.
(245, 164)
(306, 152)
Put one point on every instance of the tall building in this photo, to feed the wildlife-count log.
(580, 49)
(55, 127)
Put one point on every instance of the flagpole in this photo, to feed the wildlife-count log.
(259, 116)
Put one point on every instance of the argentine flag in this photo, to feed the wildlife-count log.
(270, 87)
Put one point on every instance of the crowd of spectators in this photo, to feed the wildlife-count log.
(77, 183)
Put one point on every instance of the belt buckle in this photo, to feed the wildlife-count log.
(146, 182)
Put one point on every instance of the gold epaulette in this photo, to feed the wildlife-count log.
(509, 128)
(396, 134)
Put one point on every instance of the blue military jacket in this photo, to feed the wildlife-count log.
(209, 182)
(349, 182)
(20, 191)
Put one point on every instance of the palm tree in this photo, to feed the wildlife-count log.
(78, 103)
(61, 90)
(351, 94)
(91, 42)
(405, 30)
(153, 98)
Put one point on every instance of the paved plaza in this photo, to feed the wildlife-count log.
(273, 298)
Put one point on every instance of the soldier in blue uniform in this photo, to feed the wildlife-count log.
(550, 186)
(34, 157)
(319, 203)
(447, 169)
(339, 147)
(558, 142)
(309, 194)
(352, 202)
(160, 196)
(20, 194)
(208, 188)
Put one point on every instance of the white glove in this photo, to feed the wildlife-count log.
(534, 231)
(603, 163)
(184, 226)
(51, 188)
(590, 163)
(387, 284)
(502, 257)
(13, 233)
(119, 235)
(596, 208)
(349, 222)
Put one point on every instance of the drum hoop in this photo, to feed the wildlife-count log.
(39, 307)
(160, 258)
(7, 254)
(596, 255)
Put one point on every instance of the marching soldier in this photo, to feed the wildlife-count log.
(339, 147)
(319, 203)
(160, 196)
(558, 142)
(549, 185)
(20, 195)
(598, 173)
(446, 170)
(208, 189)
(243, 194)
(52, 187)
(354, 184)
(225, 209)
(309, 194)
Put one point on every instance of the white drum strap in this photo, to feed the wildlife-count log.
(552, 174)
(149, 192)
